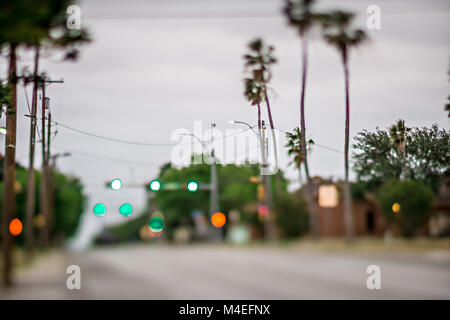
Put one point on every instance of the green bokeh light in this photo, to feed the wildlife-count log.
(192, 186)
(126, 209)
(155, 185)
(156, 224)
(99, 209)
(116, 184)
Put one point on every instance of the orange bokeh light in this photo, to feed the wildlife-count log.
(218, 219)
(15, 227)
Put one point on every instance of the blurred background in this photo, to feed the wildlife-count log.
(107, 97)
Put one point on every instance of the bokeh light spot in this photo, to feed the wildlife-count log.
(155, 185)
(116, 184)
(156, 224)
(15, 227)
(263, 210)
(126, 209)
(99, 209)
(218, 219)
(192, 186)
(396, 207)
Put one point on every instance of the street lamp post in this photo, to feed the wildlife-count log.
(214, 205)
(261, 136)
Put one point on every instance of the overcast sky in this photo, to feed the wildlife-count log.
(158, 66)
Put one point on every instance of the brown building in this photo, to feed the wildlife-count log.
(368, 219)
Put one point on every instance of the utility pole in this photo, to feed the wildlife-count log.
(214, 194)
(45, 176)
(269, 230)
(50, 189)
(9, 171)
(31, 194)
(44, 202)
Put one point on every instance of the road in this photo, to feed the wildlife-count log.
(222, 272)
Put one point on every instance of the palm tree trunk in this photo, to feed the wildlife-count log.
(9, 173)
(302, 105)
(31, 195)
(275, 152)
(310, 188)
(259, 117)
(348, 215)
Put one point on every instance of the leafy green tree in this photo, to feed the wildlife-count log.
(292, 217)
(427, 151)
(415, 200)
(236, 192)
(70, 202)
(338, 31)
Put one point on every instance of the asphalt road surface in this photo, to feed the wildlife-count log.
(221, 272)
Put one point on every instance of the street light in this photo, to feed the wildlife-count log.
(3, 130)
(244, 123)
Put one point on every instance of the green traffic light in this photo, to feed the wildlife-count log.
(155, 185)
(115, 184)
(156, 224)
(126, 209)
(99, 209)
(192, 186)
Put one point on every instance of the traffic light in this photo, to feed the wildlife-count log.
(263, 210)
(126, 209)
(155, 185)
(156, 224)
(116, 184)
(261, 192)
(218, 219)
(192, 186)
(99, 209)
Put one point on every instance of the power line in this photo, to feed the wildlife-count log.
(138, 143)
(105, 158)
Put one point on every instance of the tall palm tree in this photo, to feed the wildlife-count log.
(301, 17)
(398, 134)
(258, 63)
(339, 32)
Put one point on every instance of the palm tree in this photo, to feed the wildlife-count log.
(295, 148)
(339, 33)
(301, 17)
(398, 134)
(258, 64)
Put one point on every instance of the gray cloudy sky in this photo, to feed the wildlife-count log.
(157, 66)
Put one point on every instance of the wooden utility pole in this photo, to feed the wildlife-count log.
(31, 191)
(9, 171)
(44, 202)
(45, 175)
